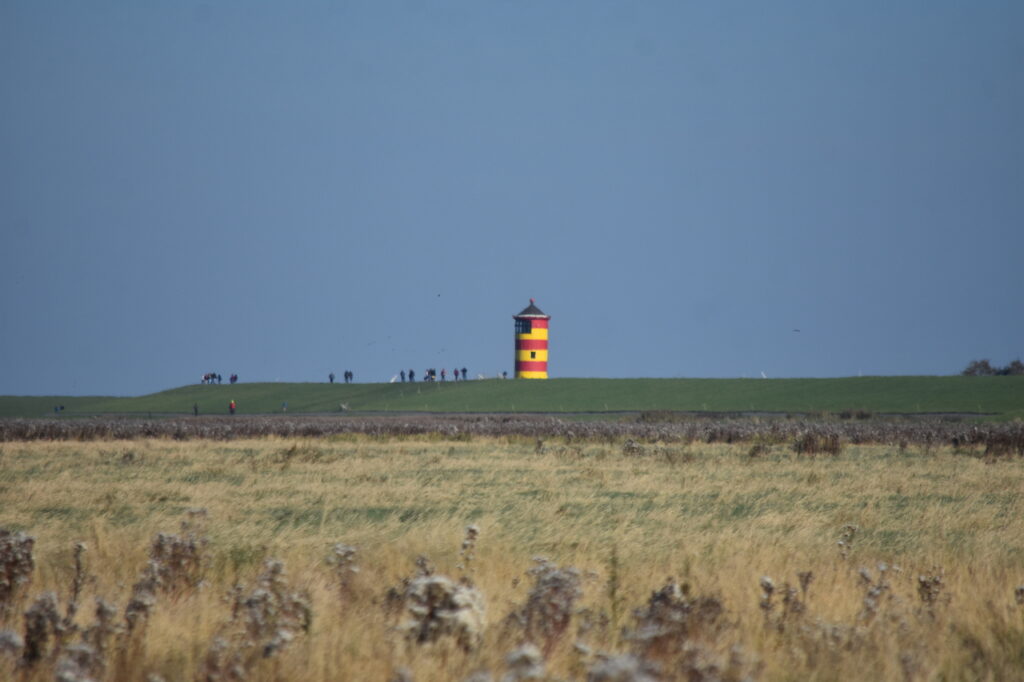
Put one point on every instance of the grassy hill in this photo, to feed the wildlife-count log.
(1002, 396)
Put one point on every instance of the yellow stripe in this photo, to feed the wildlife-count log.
(541, 355)
(535, 334)
(531, 375)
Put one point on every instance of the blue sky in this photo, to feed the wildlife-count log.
(282, 190)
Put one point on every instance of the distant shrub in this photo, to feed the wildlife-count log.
(1015, 368)
(813, 443)
(984, 368)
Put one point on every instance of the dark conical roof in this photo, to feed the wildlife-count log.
(531, 311)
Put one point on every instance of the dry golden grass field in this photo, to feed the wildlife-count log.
(361, 558)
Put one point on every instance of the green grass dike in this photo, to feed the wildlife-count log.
(994, 397)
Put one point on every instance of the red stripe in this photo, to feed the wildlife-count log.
(531, 344)
(531, 366)
(538, 324)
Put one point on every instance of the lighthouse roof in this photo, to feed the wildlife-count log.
(532, 311)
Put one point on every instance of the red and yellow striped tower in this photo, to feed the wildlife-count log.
(531, 343)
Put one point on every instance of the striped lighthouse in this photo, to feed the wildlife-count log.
(531, 343)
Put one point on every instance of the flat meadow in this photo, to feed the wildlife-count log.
(433, 557)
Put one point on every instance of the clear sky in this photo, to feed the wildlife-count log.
(282, 190)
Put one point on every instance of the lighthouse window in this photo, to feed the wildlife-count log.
(533, 355)
(524, 326)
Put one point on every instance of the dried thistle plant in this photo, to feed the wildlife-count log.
(525, 663)
(176, 563)
(671, 618)
(43, 629)
(700, 664)
(272, 612)
(79, 663)
(86, 661)
(16, 566)
(875, 589)
(550, 604)
(438, 607)
(143, 599)
(793, 606)
(343, 559)
(929, 588)
(264, 621)
(424, 567)
(845, 542)
(622, 668)
(11, 643)
(180, 560)
(102, 633)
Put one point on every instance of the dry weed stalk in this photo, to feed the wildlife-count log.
(767, 595)
(805, 578)
(466, 553)
(614, 586)
(76, 587)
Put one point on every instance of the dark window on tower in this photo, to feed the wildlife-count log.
(524, 326)
(533, 355)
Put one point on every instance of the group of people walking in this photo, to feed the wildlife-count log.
(214, 378)
(348, 376)
(432, 375)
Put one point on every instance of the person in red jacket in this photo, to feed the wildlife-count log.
(231, 407)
